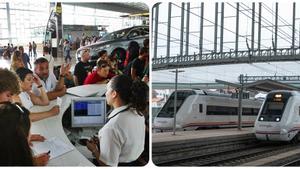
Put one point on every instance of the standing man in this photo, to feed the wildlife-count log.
(25, 57)
(34, 49)
(67, 50)
(82, 68)
(49, 57)
(139, 64)
(30, 49)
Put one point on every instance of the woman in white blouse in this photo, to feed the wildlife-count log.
(121, 141)
(28, 99)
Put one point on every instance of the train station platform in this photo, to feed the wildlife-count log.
(199, 134)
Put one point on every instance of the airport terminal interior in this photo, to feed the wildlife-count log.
(74, 71)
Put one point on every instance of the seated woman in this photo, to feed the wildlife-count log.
(121, 141)
(15, 132)
(28, 99)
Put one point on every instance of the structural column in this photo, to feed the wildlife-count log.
(216, 28)
(155, 30)
(182, 29)
(259, 28)
(276, 29)
(253, 28)
(237, 29)
(59, 30)
(201, 30)
(187, 29)
(169, 28)
(8, 22)
(222, 29)
(293, 33)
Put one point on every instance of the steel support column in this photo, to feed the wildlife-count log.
(240, 111)
(222, 29)
(182, 29)
(237, 29)
(8, 22)
(169, 28)
(259, 28)
(201, 30)
(216, 28)
(293, 33)
(276, 29)
(187, 29)
(155, 30)
(253, 28)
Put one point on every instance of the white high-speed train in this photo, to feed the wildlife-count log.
(198, 109)
(279, 118)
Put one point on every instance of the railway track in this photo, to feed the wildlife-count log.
(224, 152)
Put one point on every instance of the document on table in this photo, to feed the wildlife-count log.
(56, 146)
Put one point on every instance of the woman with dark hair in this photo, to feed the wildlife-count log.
(102, 55)
(121, 141)
(28, 99)
(132, 52)
(15, 132)
(14, 128)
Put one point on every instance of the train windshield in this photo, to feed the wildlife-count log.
(274, 107)
(168, 108)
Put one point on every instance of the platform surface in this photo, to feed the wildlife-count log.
(198, 134)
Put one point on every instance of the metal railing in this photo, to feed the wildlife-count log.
(231, 57)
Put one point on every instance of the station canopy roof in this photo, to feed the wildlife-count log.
(262, 85)
(269, 85)
(125, 7)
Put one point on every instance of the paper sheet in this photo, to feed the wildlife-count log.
(56, 146)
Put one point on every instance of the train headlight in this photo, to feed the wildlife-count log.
(277, 119)
(261, 118)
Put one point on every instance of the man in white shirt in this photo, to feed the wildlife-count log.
(49, 58)
(54, 88)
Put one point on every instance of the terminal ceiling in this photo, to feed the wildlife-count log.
(125, 7)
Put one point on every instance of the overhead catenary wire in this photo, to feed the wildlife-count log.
(216, 24)
(268, 24)
(251, 18)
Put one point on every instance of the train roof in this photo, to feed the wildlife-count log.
(293, 92)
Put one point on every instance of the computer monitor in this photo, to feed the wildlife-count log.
(88, 112)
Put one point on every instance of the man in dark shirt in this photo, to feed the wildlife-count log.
(82, 68)
(25, 57)
(139, 64)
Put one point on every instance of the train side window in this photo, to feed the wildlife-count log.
(200, 108)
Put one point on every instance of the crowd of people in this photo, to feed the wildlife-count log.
(122, 141)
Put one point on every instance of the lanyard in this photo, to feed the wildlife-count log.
(127, 108)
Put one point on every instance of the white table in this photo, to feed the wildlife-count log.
(52, 127)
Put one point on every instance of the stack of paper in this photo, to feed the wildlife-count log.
(56, 146)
